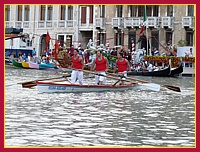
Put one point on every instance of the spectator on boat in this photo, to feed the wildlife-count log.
(33, 52)
(77, 65)
(102, 66)
(24, 57)
(29, 58)
(150, 67)
(123, 66)
(34, 58)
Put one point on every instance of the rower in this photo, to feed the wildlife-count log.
(77, 65)
(123, 66)
(102, 66)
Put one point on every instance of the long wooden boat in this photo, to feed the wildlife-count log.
(62, 87)
(160, 73)
(17, 64)
(176, 71)
(25, 64)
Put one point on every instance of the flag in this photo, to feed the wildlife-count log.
(47, 40)
(144, 20)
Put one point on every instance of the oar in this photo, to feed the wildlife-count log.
(30, 84)
(149, 84)
(121, 76)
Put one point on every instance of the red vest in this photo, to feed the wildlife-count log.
(122, 66)
(76, 63)
(100, 65)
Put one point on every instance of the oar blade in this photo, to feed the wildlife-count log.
(151, 86)
(177, 89)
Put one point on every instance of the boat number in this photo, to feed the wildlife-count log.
(57, 88)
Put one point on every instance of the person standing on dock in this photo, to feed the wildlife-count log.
(123, 66)
(77, 65)
(102, 66)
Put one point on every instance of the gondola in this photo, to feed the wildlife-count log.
(158, 73)
(175, 72)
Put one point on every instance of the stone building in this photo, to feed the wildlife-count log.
(112, 25)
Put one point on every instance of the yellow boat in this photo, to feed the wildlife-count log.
(25, 64)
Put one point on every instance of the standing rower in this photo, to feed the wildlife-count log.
(102, 66)
(77, 65)
(123, 66)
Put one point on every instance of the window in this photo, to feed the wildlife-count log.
(7, 13)
(70, 12)
(102, 11)
(140, 11)
(119, 38)
(169, 35)
(42, 12)
(155, 39)
(169, 10)
(83, 15)
(119, 11)
(102, 38)
(61, 40)
(91, 14)
(190, 10)
(26, 12)
(50, 12)
(155, 10)
(62, 12)
(189, 37)
(133, 11)
(149, 10)
(132, 38)
(19, 13)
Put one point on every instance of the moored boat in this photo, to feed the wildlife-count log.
(50, 87)
(33, 65)
(176, 71)
(47, 66)
(17, 64)
(159, 73)
(25, 64)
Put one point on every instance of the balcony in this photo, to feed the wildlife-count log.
(65, 24)
(188, 21)
(100, 23)
(153, 22)
(18, 24)
(131, 22)
(26, 24)
(168, 22)
(118, 23)
(9, 24)
(70, 23)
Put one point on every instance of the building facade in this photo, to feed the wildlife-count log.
(112, 25)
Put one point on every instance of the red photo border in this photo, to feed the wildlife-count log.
(2, 79)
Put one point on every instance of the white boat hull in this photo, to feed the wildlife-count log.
(50, 87)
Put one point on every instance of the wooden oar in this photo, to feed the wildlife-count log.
(30, 84)
(121, 76)
(149, 84)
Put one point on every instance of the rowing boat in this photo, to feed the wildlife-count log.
(62, 87)
(33, 65)
(25, 64)
(17, 64)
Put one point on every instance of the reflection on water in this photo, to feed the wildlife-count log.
(131, 118)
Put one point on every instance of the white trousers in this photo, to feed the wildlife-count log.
(100, 78)
(77, 75)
